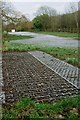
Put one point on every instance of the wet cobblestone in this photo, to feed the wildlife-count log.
(23, 75)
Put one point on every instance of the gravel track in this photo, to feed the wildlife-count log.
(46, 40)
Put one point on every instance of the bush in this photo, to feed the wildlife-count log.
(4, 36)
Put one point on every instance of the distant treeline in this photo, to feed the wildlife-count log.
(60, 23)
(69, 22)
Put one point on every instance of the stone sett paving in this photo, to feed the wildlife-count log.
(65, 70)
(23, 75)
(2, 94)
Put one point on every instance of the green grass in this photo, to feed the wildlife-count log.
(63, 34)
(69, 55)
(8, 37)
(25, 109)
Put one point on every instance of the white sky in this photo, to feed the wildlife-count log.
(29, 7)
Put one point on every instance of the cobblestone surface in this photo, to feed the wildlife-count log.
(23, 75)
(65, 70)
(2, 94)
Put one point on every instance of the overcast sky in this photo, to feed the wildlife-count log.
(29, 7)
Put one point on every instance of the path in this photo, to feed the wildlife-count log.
(23, 75)
(46, 40)
(65, 70)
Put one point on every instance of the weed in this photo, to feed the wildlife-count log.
(27, 109)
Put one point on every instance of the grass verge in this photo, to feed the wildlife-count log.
(27, 109)
(63, 34)
(8, 37)
(69, 55)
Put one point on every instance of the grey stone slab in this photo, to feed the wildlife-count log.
(2, 94)
(2, 97)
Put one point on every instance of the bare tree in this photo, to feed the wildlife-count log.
(10, 17)
(79, 5)
(46, 10)
(7, 12)
(73, 8)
